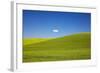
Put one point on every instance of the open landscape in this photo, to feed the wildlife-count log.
(56, 36)
(71, 47)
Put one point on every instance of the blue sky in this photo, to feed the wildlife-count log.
(51, 24)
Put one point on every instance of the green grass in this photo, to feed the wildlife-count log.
(28, 41)
(72, 47)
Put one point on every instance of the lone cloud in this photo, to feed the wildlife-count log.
(55, 30)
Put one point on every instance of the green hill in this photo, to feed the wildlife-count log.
(28, 41)
(72, 47)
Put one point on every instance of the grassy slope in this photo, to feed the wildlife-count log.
(72, 47)
(28, 41)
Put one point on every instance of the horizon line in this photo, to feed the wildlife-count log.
(55, 37)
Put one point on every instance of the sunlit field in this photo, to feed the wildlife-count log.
(70, 47)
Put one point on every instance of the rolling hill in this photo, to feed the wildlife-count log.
(71, 47)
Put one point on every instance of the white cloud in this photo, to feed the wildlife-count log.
(55, 30)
